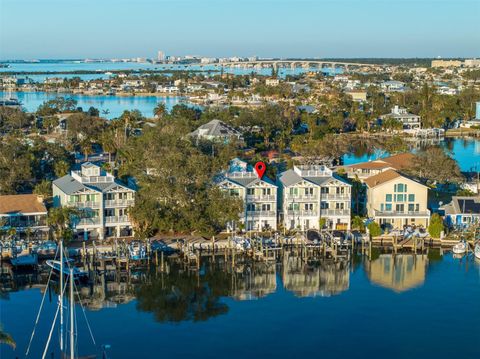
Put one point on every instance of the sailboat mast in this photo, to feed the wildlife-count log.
(72, 341)
(60, 299)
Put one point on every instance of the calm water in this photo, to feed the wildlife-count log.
(102, 67)
(114, 104)
(466, 151)
(415, 307)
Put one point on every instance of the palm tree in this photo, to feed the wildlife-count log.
(12, 232)
(6, 338)
(86, 147)
(108, 144)
(61, 220)
(159, 110)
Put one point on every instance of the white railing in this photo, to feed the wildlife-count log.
(302, 213)
(116, 219)
(261, 214)
(119, 202)
(266, 198)
(335, 212)
(88, 204)
(402, 213)
(302, 196)
(336, 196)
(89, 221)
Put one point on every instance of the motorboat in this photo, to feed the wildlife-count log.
(137, 251)
(55, 265)
(460, 247)
(26, 260)
(47, 250)
(476, 251)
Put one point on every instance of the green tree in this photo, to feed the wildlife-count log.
(159, 110)
(435, 227)
(61, 221)
(435, 166)
(374, 229)
(43, 188)
(6, 338)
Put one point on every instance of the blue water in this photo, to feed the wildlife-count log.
(466, 151)
(414, 309)
(102, 67)
(114, 104)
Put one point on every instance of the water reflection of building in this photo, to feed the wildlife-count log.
(252, 282)
(106, 294)
(323, 279)
(398, 272)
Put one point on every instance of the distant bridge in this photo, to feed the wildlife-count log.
(295, 63)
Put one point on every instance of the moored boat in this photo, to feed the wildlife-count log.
(476, 251)
(47, 250)
(26, 260)
(460, 247)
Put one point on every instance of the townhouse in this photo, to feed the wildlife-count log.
(314, 197)
(102, 200)
(394, 200)
(259, 196)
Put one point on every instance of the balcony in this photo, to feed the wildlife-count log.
(261, 198)
(119, 203)
(302, 213)
(402, 214)
(261, 214)
(335, 212)
(336, 196)
(89, 204)
(116, 219)
(89, 221)
(302, 197)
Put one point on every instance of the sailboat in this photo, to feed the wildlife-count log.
(67, 346)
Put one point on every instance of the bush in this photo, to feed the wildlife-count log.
(435, 227)
(374, 229)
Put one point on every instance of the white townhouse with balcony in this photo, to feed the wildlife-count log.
(259, 196)
(102, 200)
(313, 195)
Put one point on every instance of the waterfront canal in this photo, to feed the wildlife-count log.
(417, 307)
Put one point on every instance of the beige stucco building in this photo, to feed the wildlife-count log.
(394, 200)
(446, 63)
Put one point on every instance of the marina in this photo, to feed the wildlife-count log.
(228, 295)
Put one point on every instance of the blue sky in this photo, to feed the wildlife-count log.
(267, 28)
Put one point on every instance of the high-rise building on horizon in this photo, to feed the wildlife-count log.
(160, 56)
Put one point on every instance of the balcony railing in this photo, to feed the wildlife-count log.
(335, 212)
(116, 219)
(88, 204)
(302, 196)
(261, 214)
(336, 196)
(260, 198)
(119, 203)
(88, 221)
(402, 213)
(302, 213)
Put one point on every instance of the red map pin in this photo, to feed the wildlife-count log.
(260, 168)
